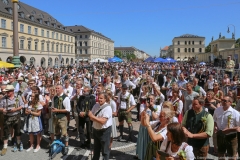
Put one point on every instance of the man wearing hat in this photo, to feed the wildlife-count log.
(21, 85)
(230, 64)
(11, 106)
(125, 104)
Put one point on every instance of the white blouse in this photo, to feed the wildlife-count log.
(188, 149)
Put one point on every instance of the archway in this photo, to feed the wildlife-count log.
(32, 61)
(43, 62)
(22, 59)
(67, 61)
(50, 62)
(71, 60)
(9, 59)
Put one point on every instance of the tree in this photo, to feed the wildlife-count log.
(131, 57)
(118, 54)
(237, 44)
(208, 48)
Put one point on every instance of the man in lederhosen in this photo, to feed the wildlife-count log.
(126, 103)
(11, 107)
(60, 107)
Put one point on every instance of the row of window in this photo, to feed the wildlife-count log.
(94, 51)
(189, 42)
(190, 50)
(67, 49)
(55, 35)
(99, 45)
(81, 36)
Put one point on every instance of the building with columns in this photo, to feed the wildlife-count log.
(187, 46)
(90, 44)
(42, 38)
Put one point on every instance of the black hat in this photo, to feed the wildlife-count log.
(124, 86)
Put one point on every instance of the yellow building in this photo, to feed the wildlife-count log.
(41, 37)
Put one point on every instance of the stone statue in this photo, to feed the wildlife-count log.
(220, 35)
(212, 38)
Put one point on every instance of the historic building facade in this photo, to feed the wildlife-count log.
(42, 39)
(90, 44)
(187, 46)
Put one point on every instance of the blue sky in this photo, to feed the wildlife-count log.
(147, 24)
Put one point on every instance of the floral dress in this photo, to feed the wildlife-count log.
(33, 124)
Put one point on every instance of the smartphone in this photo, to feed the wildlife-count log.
(148, 100)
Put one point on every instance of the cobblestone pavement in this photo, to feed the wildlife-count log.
(120, 150)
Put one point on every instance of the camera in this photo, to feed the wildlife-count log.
(148, 100)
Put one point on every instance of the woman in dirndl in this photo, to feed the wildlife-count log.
(33, 124)
(147, 106)
(177, 105)
(114, 114)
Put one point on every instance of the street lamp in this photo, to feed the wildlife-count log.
(16, 58)
(228, 31)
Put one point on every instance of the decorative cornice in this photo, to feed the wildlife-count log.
(53, 42)
(57, 43)
(30, 39)
(22, 37)
(36, 40)
(4, 34)
(43, 41)
(47, 41)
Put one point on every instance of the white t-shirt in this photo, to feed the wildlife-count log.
(106, 112)
(188, 149)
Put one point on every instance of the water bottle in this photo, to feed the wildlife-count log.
(21, 147)
(15, 147)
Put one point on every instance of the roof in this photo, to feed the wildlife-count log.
(189, 36)
(165, 48)
(83, 29)
(125, 48)
(48, 21)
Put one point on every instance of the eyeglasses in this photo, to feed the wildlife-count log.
(224, 100)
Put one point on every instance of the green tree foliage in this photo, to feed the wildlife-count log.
(131, 56)
(118, 54)
(208, 48)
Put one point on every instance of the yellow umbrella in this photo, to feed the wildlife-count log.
(6, 65)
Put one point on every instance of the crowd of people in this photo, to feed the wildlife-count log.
(179, 106)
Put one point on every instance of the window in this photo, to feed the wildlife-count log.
(86, 36)
(178, 42)
(52, 35)
(80, 36)
(61, 48)
(56, 35)
(42, 33)
(200, 50)
(47, 34)
(80, 43)
(12, 42)
(11, 25)
(6, 2)
(40, 21)
(4, 42)
(21, 44)
(42, 47)
(85, 43)
(65, 49)
(29, 30)
(86, 51)
(189, 49)
(193, 50)
(64, 37)
(21, 28)
(22, 14)
(80, 51)
(192, 42)
(32, 18)
(68, 49)
(48, 47)
(68, 39)
(189, 42)
(36, 31)
(71, 39)
(57, 48)
(3, 23)
(29, 45)
(178, 49)
(60, 36)
(185, 49)
(185, 42)
(71, 49)
(200, 42)
(52, 47)
(36, 46)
